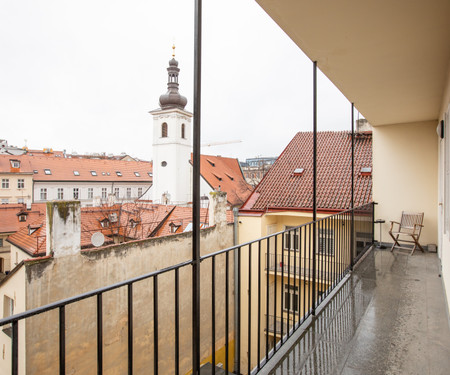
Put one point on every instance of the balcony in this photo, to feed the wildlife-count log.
(389, 317)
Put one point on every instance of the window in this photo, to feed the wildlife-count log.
(60, 193)
(93, 173)
(116, 192)
(76, 173)
(8, 310)
(119, 173)
(137, 174)
(35, 171)
(291, 297)
(326, 241)
(47, 171)
(22, 217)
(5, 183)
(104, 193)
(15, 164)
(133, 223)
(1, 242)
(76, 192)
(20, 183)
(291, 239)
(128, 192)
(163, 163)
(139, 192)
(43, 194)
(104, 223)
(90, 193)
(164, 130)
(183, 135)
(5, 200)
(20, 200)
(150, 174)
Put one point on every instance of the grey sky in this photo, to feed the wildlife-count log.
(82, 75)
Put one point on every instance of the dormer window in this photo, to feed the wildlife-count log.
(22, 217)
(15, 164)
(174, 227)
(47, 171)
(133, 223)
(104, 223)
(230, 176)
(218, 177)
(32, 229)
(210, 162)
(164, 130)
(298, 171)
(366, 171)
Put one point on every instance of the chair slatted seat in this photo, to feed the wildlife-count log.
(410, 225)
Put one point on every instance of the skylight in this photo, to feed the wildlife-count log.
(119, 173)
(47, 171)
(93, 173)
(366, 169)
(76, 173)
(298, 171)
(150, 174)
(35, 171)
(137, 174)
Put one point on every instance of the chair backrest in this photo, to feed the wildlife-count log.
(409, 219)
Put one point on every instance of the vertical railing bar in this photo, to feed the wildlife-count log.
(130, 329)
(258, 355)
(304, 274)
(282, 286)
(155, 325)
(238, 321)
(289, 280)
(298, 244)
(100, 333)
(62, 340)
(227, 269)
(314, 182)
(213, 313)
(352, 245)
(177, 321)
(249, 317)
(196, 189)
(275, 297)
(267, 296)
(15, 348)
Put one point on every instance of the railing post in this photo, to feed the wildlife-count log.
(314, 249)
(196, 191)
(352, 234)
(373, 222)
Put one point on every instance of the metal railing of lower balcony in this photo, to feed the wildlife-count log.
(269, 299)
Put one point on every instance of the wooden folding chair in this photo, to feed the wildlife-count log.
(410, 226)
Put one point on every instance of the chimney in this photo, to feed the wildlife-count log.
(63, 229)
(362, 125)
(217, 208)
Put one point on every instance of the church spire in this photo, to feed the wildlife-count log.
(172, 98)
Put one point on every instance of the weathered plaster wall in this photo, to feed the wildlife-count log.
(53, 279)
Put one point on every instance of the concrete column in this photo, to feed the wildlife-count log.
(63, 229)
(217, 208)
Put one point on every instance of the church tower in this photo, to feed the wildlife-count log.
(172, 144)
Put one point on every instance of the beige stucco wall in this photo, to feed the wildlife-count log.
(14, 288)
(405, 175)
(13, 193)
(56, 278)
(444, 239)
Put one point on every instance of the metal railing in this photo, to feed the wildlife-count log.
(266, 300)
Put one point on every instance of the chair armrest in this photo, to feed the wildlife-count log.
(396, 222)
(392, 225)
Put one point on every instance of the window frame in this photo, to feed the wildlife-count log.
(291, 237)
(76, 193)
(43, 194)
(60, 193)
(5, 183)
(20, 183)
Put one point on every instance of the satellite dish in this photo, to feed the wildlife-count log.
(98, 239)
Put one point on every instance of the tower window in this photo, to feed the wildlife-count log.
(164, 130)
(183, 134)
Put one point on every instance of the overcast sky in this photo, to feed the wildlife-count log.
(81, 75)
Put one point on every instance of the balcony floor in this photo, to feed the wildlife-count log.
(389, 317)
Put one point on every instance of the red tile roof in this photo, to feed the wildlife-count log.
(226, 174)
(282, 188)
(134, 221)
(9, 219)
(5, 164)
(62, 169)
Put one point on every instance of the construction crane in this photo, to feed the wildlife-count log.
(220, 143)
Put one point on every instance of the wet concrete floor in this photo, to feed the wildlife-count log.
(388, 318)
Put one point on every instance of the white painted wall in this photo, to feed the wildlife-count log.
(174, 151)
(68, 186)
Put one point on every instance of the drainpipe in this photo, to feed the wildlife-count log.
(236, 294)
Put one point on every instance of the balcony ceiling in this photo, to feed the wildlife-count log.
(391, 58)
